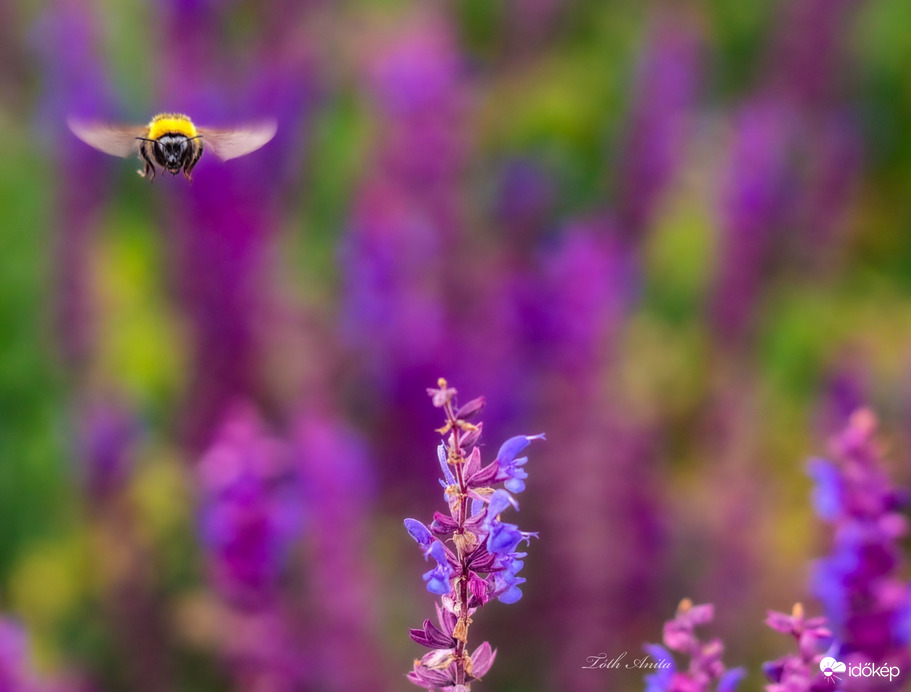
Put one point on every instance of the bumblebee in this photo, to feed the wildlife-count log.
(172, 141)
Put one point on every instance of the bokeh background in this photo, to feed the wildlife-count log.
(675, 236)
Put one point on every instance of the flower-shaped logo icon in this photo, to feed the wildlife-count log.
(829, 666)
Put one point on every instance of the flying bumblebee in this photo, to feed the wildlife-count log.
(172, 141)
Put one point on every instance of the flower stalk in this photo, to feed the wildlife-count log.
(474, 550)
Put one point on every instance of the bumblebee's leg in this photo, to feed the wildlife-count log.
(188, 166)
(149, 167)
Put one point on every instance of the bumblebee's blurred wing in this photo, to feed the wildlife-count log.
(231, 143)
(117, 140)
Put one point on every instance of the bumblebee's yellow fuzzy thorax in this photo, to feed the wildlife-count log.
(171, 123)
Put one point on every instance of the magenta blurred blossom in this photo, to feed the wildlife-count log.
(574, 318)
(660, 119)
(339, 493)
(799, 672)
(15, 673)
(844, 391)
(589, 284)
(808, 55)
(415, 78)
(74, 84)
(406, 215)
(754, 206)
(483, 563)
(834, 159)
(531, 21)
(262, 651)
(250, 508)
(222, 224)
(108, 432)
(867, 600)
(525, 199)
(705, 671)
(393, 292)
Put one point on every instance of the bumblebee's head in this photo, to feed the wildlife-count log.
(173, 150)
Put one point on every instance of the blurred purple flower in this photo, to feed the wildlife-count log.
(223, 222)
(108, 432)
(406, 215)
(525, 200)
(843, 392)
(393, 291)
(754, 204)
(74, 85)
(808, 54)
(484, 564)
(339, 490)
(532, 21)
(667, 86)
(589, 285)
(16, 671)
(250, 508)
(799, 672)
(867, 600)
(15, 675)
(574, 315)
(705, 665)
(415, 78)
(834, 158)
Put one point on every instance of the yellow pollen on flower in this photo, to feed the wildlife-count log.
(797, 611)
(685, 605)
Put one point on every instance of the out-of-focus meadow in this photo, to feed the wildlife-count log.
(676, 237)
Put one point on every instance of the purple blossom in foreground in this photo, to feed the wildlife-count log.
(705, 668)
(799, 672)
(483, 562)
(867, 600)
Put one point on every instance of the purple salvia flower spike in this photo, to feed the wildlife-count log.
(705, 666)
(861, 585)
(484, 563)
